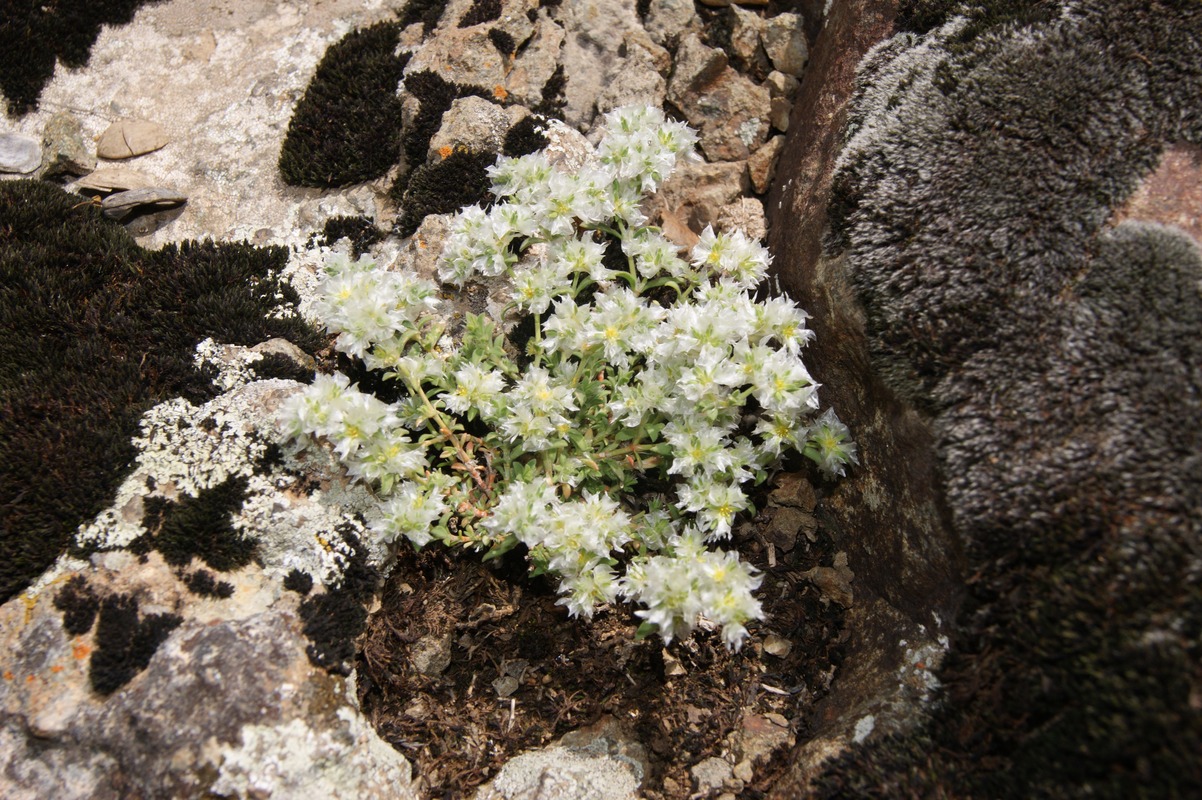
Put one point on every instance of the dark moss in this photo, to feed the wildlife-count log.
(33, 34)
(458, 180)
(203, 583)
(278, 365)
(334, 619)
(79, 604)
(553, 99)
(526, 137)
(125, 642)
(346, 129)
(299, 582)
(481, 11)
(643, 7)
(202, 527)
(506, 45)
(427, 12)
(360, 231)
(93, 331)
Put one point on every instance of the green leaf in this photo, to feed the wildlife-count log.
(501, 548)
(645, 630)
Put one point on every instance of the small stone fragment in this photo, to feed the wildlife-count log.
(777, 646)
(794, 490)
(114, 179)
(129, 138)
(505, 685)
(781, 85)
(711, 775)
(19, 154)
(744, 771)
(747, 29)
(431, 655)
(785, 42)
(761, 167)
(729, 110)
(122, 204)
(283, 347)
(672, 666)
(786, 525)
(64, 150)
(745, 214)
(834, 583)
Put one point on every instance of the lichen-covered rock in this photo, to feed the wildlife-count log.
(973, 249)
(19, 154)
(226, 703)
(64, 151)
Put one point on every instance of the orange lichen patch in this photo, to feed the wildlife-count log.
(30, 679)
(500, 92)
(8, 675)
(445, 150)
(56, 668)
(81, 651)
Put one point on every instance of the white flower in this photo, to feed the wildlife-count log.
(522, 510)
(829, 444)
(475, 387)
(409, 512)
(715, 504)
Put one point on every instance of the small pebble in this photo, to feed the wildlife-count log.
(20, 154)
(129, 138)
(122, 204)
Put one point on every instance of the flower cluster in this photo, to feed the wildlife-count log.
(647, 367)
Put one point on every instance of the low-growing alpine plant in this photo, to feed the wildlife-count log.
(618, 447)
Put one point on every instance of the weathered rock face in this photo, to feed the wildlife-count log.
(975, 261)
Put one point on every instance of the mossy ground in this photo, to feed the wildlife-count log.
(93, 331)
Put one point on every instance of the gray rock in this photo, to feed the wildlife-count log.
(474, 124)
(785, 42)
(711, 775)
(19, 154)
(121, 205)
(600, 35)
(64, 151)
(601, 762)
(536, 63)
(669, 20)
(729, 110)
(746, 34)
(129, 138)
(638, 83)
(228, 703)
(431, 654)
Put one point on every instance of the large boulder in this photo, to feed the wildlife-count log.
(970, 230)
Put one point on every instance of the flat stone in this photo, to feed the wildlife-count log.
(115, 179)
(794, 490)
(120, 205)
(19, 154)
(64, 150)
(536, 63)
(786, 525)
(747, 28)
(131, 137)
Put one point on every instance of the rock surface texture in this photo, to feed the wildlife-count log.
(992, 241)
